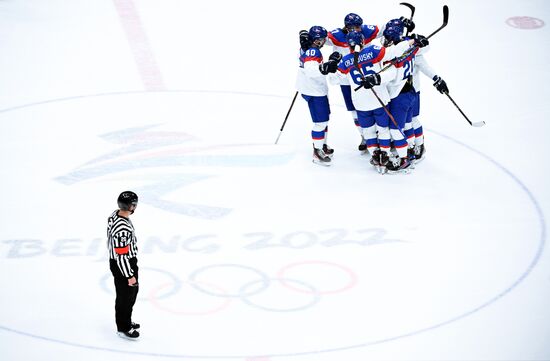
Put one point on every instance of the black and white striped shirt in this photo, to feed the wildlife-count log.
(121, 242)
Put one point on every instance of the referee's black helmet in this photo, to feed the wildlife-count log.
(127, 199)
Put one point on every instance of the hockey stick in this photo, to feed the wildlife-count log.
(413, 48)
(286, 118)
(356, 64)
(445, 21)
(476, 124)
(410, 6)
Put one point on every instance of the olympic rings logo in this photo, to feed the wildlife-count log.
(251, 286)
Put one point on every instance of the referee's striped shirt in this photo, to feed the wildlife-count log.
(121, 242)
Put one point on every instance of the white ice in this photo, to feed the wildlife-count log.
(249, 251)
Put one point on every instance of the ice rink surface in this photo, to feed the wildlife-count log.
(249, 251)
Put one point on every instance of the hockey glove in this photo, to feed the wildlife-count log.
(336, 57)
(371, 80)
(305, 40)
(420, 40)
(408, 23)
(328, 67)
(440, 85)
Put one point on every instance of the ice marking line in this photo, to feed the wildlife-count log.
(352, 276)
(536, 258)
(139, 45)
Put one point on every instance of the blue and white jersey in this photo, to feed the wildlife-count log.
(310, 81)
(337, 38)
(370, 60)
(405, 68)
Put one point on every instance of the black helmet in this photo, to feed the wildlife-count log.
(126, 199)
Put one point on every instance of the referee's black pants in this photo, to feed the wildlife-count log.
(125, 295)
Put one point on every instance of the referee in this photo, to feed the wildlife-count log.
(123, 263)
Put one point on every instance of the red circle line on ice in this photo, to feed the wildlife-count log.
(525, 22)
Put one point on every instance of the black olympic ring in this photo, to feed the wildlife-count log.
(311, 290)
(154, 300)
(250, 289)
(175, 288)
(264, 279)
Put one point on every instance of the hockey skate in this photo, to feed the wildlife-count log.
(411, 156)
(132, 334)
(375, 158)
(399, 165)
(379, 160)
(419, 152)
(328, 150)
(383, 161)
(363, 146)
(320, 157)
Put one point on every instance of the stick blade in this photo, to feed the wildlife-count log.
(410, 6)
(478, 124)
(445, 14)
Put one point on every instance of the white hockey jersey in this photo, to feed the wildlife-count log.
(309, 80)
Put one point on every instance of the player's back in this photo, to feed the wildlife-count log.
(309, 80)
(369, 61)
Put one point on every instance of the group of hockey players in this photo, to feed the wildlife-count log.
(379, 84)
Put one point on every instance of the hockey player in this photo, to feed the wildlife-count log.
(421, 65)
(402, 95)
(361, 67)
(337, 39)
(311, 83)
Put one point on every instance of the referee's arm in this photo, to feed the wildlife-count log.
(122, 248)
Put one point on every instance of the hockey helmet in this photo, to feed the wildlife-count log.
(392, 35)
(355, 38)
(395, 22)
(352, 20)
(127, 199)
(317, 32)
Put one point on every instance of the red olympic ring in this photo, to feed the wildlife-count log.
(153, 298)
(353, 277)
